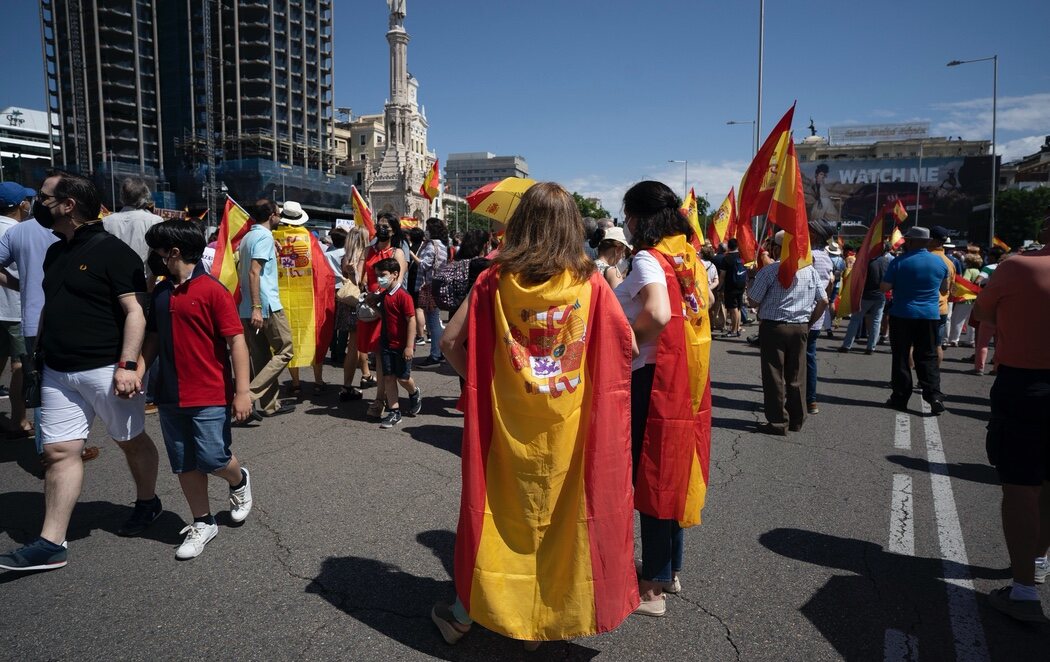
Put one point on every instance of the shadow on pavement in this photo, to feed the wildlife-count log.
(719, 423)
(722, 402)
(22, 513)
(446, 437)
(978, 473)
(734, 386)
(397, 604)
(886, 591)
(23, 452)
(873, 383)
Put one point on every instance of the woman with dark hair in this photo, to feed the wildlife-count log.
(388, 241)
(665, 296)
(432, 257)
(475, 243)
(544, 545)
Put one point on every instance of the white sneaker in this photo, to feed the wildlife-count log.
(1041, 571)
(198, 534)
(241, 500)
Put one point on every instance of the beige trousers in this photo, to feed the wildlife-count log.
(270, 351)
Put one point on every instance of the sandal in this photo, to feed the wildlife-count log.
(369, 382)
(348, 393)
(320, 387)
(295, 389)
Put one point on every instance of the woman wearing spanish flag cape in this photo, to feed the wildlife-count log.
(666, 298)
(544, 547)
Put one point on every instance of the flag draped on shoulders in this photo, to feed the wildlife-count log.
(853, 282)
(545, 542)
(362, 214)
(673, 470)
(787, 211)
(431, 184)
(723, 223)
(234, 225)
(307, 289)
(691, 214)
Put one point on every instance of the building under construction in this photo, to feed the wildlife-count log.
(204, 96)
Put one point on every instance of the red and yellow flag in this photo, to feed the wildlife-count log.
(362, 214)
(724, 221)
(545, 542)
(853, 281)
(996, 241)
(431, 183)
(756, 188)
(746, 242)
(307, 289)
(690, 213)
(234, 225)
(963, 290)
(674, 466)
(899, 212)
(788, 211)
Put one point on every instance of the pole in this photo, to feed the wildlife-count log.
(758, 112)
(995, 172)
(918, 187)
(685, 182)
(876, 217)
(112, 183)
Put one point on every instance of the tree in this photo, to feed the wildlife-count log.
(590, 207)
(457, 213)
(1018, 213)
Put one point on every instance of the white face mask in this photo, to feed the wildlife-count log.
(627, 234)
(385, 281)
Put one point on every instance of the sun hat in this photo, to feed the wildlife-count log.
(292, 213)
(616, 234)
(834, 248)
(917, 233)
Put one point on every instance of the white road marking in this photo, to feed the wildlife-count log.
(902, 434)
(899, 647)
(902, 522)
(969, 636)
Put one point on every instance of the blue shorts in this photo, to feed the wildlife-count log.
(942, 329)
(394, 363)
(197, 438)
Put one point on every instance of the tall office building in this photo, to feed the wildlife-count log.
(103, 87)
(466, 171)
(230, 94)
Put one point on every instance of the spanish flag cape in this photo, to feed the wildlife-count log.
(307, 288)
(544, 547)
(672, 473)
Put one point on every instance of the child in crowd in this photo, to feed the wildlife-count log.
(397, 342)
(194, 330)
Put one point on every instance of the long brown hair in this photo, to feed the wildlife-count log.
(544, 237)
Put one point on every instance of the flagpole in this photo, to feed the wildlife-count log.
(918, 187)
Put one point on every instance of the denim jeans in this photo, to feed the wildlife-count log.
(433, 317)
(811, 366)
(873, 307)
(662, 548)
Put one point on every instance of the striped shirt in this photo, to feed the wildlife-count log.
(794, 304)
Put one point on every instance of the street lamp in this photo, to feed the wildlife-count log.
(753, 123)
(685, 182)
(995, 102)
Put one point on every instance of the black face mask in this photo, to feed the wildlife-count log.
(42, 214)
(383, 233)
(156, 265)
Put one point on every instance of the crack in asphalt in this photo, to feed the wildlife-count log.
(725, 626)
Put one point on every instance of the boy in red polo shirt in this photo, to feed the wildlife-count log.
(194, 330)
(397, 340)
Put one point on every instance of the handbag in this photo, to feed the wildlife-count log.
(367, 312)
(348, 292)
(32, 378)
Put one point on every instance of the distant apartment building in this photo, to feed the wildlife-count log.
(358, 146)
(466, 171)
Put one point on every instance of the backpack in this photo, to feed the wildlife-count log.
(739, 273)
(451, 284)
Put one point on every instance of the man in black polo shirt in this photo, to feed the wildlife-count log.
(91, 333)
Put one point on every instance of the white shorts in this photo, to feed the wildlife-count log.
(70, 400)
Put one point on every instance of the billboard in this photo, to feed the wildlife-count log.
(870, 133)
(942, 191)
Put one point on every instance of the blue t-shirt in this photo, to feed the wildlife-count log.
(26, 245)
(916, 278)
(258, 245)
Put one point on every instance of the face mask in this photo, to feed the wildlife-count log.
(157, 265)
(627, 234)
(383, 233)
(42, 214)
(385, 281)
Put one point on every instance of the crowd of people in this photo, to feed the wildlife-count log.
(556, 328)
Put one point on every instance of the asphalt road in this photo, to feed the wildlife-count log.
(866, 536)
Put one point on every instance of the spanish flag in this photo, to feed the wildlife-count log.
(234, 225)
(691, 214)
(854, 280)
(963, 290)
(746, 242)
(307, 288)
(996, 241)
(899, 212)
(362, 214)
(724, 221)
(756, 188)
(674, 466)
(788, 211)
(545, 542)
(431, 183)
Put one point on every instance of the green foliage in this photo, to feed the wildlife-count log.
(1018, 214)
(467, 220)
(589, 208)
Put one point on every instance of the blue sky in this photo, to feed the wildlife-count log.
(600, 94)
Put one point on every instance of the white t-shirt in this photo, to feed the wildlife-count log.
(10, 302)
(712, 273)
(645, 270)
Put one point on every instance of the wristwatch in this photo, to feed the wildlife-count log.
(128, 365)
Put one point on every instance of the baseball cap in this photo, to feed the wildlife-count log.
(940, 233)
(12, 193)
